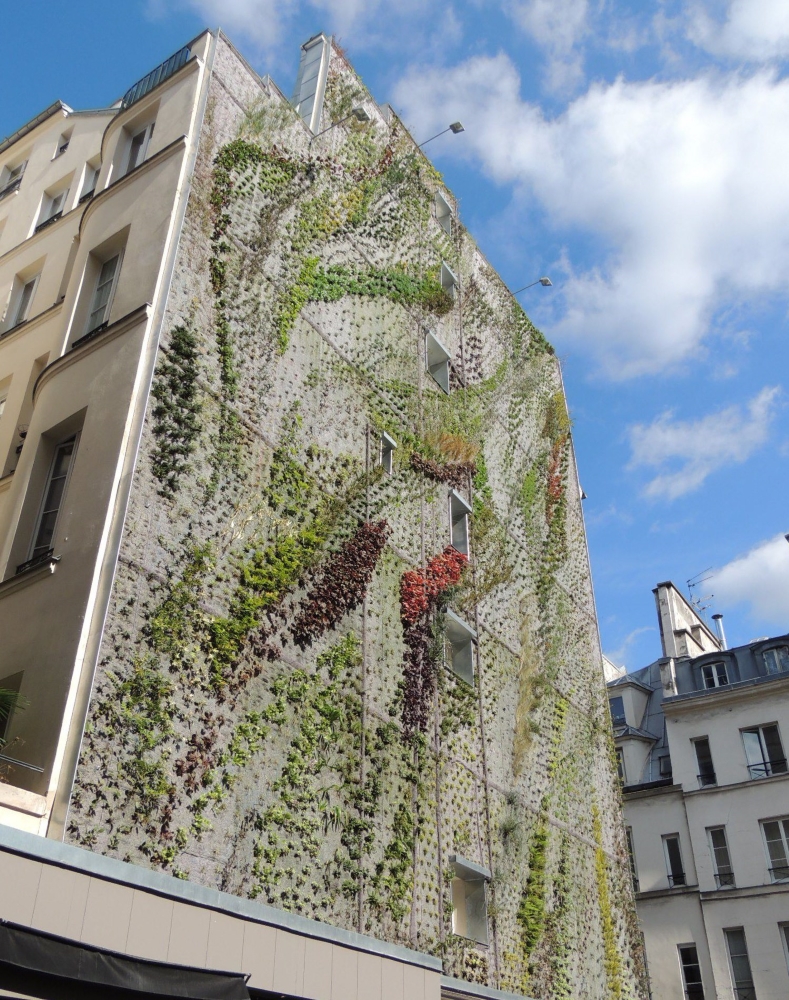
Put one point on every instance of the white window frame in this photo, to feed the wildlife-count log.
(13, 175)
(714, 674)
(52, 206)
(146, 132)
(448, 281)
(699, 776)
(459, 512)
(437, 361)
(766, 763)
(16, 314)
(72, 438)
(696, 994)
(461, 640)
(386, 453)
(746, 953)
(669, 875)
(780, 652)
(723, 879)
(467, 873)
(89, 328)
(780, 820)
(444, 213)
(63, 143)
(91, 172)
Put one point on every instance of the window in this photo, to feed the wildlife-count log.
(764, 751)
(714, 675)
(12, 684)
(631, 853)
(620, 764)
(12, 179)
(664, 766)
(674, 869)
(783, 930)
(62, 145)
(138, 147)
(721, 862)
(105, 289)
(776, 660)
(89, 181)
(388, 445)
(448, 281)
(53, 498)
(776, 840)
(469, 900)
(52, 208)
(20, 301)
(437, 357)
(459, 511)
(3, 398)
(460, 647)
(740, 965)
(443, 213)
(617, 706)
(706, 773)
(691, 971)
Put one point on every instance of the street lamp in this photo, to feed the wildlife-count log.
(455, 128)
(540, 281)
(358, 113)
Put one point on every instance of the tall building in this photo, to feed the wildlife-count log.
(295, 584)
(701, 737)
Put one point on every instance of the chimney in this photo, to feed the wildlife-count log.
(718, 619)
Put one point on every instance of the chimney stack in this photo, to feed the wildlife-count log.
(718, 619)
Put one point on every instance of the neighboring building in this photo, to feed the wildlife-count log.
(294, 575)
(701, 737)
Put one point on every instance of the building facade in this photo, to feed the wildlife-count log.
(295, 589)
(701, 736)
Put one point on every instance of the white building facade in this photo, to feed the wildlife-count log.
(701, 737)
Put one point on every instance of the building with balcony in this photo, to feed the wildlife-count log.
(294, 590)
(701, 739)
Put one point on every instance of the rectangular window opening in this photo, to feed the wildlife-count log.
(742, 979)
(443, 213)
(12, 179)
(620, 764)
(448, 281)
(459, 510)
(674, 867)
(721, 861)
(52, 502)
(388, 445)
(438, 360)
(691, 972)
(776, 660)
(52, 208)
(461, 640)
(664, 766)
(764, 751)
(776, 840)
(632, 856)
(706, 772)
(103, 294)
(469, 900)
(89, 181)
(714, 675)
(21, 302)
(138, 146)
(617, 706)
(63, 144)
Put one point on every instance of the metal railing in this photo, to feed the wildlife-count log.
(677, 879)
(780, 873)
(10, 188)
(38, 560)
(48, 222)
(768, 768)
(155, 77)
(744, 993)
(707, 779)
(694, 992)
(21, 763)
(724, 880)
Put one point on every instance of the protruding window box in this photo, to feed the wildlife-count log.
(459, 510)
(461, 640)
(388, 445)
(443, 213)
(448, 281)
(437, 361)
(469, 899)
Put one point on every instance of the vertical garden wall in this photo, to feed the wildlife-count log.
(274, 712)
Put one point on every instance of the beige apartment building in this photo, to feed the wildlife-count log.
(294, 590)
(701, 737)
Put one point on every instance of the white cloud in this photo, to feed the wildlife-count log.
(751, 30)
(617, 656)
(686, 452)
(681, 186)
(558, 27)
(760, 579)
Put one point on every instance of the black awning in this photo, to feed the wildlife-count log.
(56, 968)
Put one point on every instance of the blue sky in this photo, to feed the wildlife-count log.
(635, 152)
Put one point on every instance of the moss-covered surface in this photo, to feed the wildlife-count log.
(250, 725)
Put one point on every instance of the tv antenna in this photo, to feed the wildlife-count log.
(697, 602)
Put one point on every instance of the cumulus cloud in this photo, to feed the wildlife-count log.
(686, 452)
(750, 30)
(680, 186)
(558, 27)
(619, 655)
(760, 579)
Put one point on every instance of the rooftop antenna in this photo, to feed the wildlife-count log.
(697, 602)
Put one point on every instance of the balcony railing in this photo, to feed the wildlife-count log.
(768, 768)
(780, 873)
(38, 560)
(87, 196)
(10, 188)
(694, 991)
(724, 880)
(744, 993)
(155, 77)
(677, 879)
(48, 222)
(707, 779)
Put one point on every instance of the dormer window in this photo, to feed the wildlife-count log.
(617, 706)
(461, 639)
(443, 213)
(776, 660)
(714, 675)
(437, 359)
(388, 445)
(469, 899)
(459, 510)
(448, 281)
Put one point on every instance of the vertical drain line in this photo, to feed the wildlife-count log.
(363, 693)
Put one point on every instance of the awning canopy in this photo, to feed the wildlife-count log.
(55, 968)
